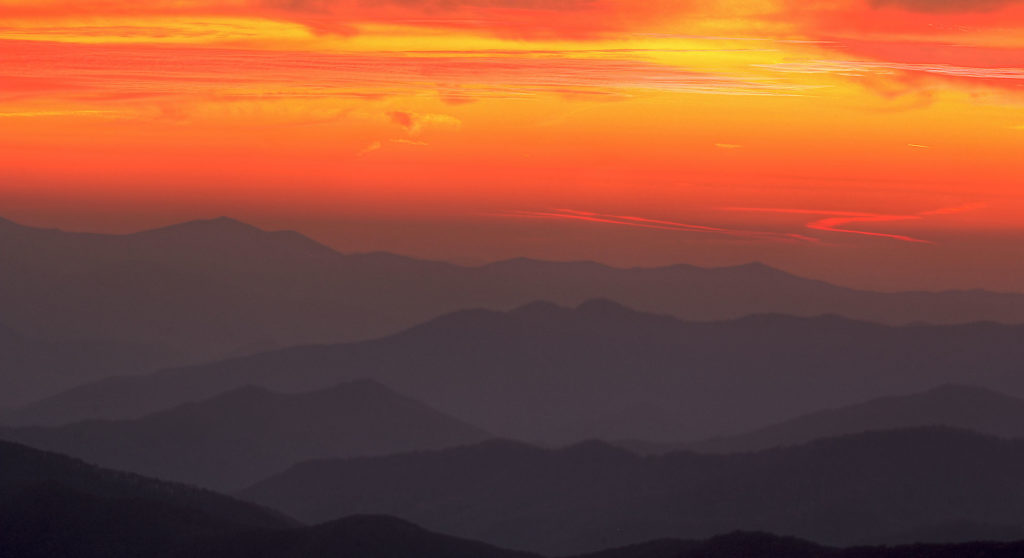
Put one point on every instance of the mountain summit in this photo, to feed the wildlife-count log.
(247, 433)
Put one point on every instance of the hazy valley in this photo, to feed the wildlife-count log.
(381, 406)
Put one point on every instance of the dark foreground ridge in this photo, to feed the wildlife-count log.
(54, 506)
(92, 528)
(742, 544)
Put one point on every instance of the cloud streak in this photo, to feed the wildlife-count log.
(838, 221)
(656, 224)
(511, 18)
(414, 124)
(100, 70)
(374, 146)
(46, 113)
(862, 68)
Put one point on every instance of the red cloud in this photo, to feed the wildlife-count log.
(403, 119)
(838, 221)
(657, 224)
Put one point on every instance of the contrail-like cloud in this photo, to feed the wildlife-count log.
(658, 224)
(838, 221)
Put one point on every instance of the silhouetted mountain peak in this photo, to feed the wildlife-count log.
(820, 321)
(753, 544)
(217, 225)
(912, 439)
(27, 467)
(978, 400)
(263, 399)
(596, 450)
(369, 523)
(539, 308)
(240, 239)
(754, 266)
(209, 229)
(598, 308)
(499, 447)
(363, 385)
(361, 390)
(962, 406)
(603, 307)
(246, 392)
(7, 225)
(524, 261)
(958, 390)
(244, 434)
(758, 270)
(515, 262)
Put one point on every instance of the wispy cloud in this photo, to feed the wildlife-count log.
(45, 113)
(860, 68)
(96, 72)
(409, 142)
(955, 209)
(374, 146)
(657, 224)
(1007, 78)
(838, 221)
(510, 18)
(415, 123)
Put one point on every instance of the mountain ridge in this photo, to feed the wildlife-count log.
(110, 514)
(26, 468)
(550, 501)
(244, 434)
(204, 290)
(955, 405)
(230, 224)
(596, 371)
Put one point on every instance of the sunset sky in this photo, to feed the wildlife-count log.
(873, 143)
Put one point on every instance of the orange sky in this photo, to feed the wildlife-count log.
(876, 143)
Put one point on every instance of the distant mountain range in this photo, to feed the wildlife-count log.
(239, 437)
(551, 374)
(844, 491)
(205, 290)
